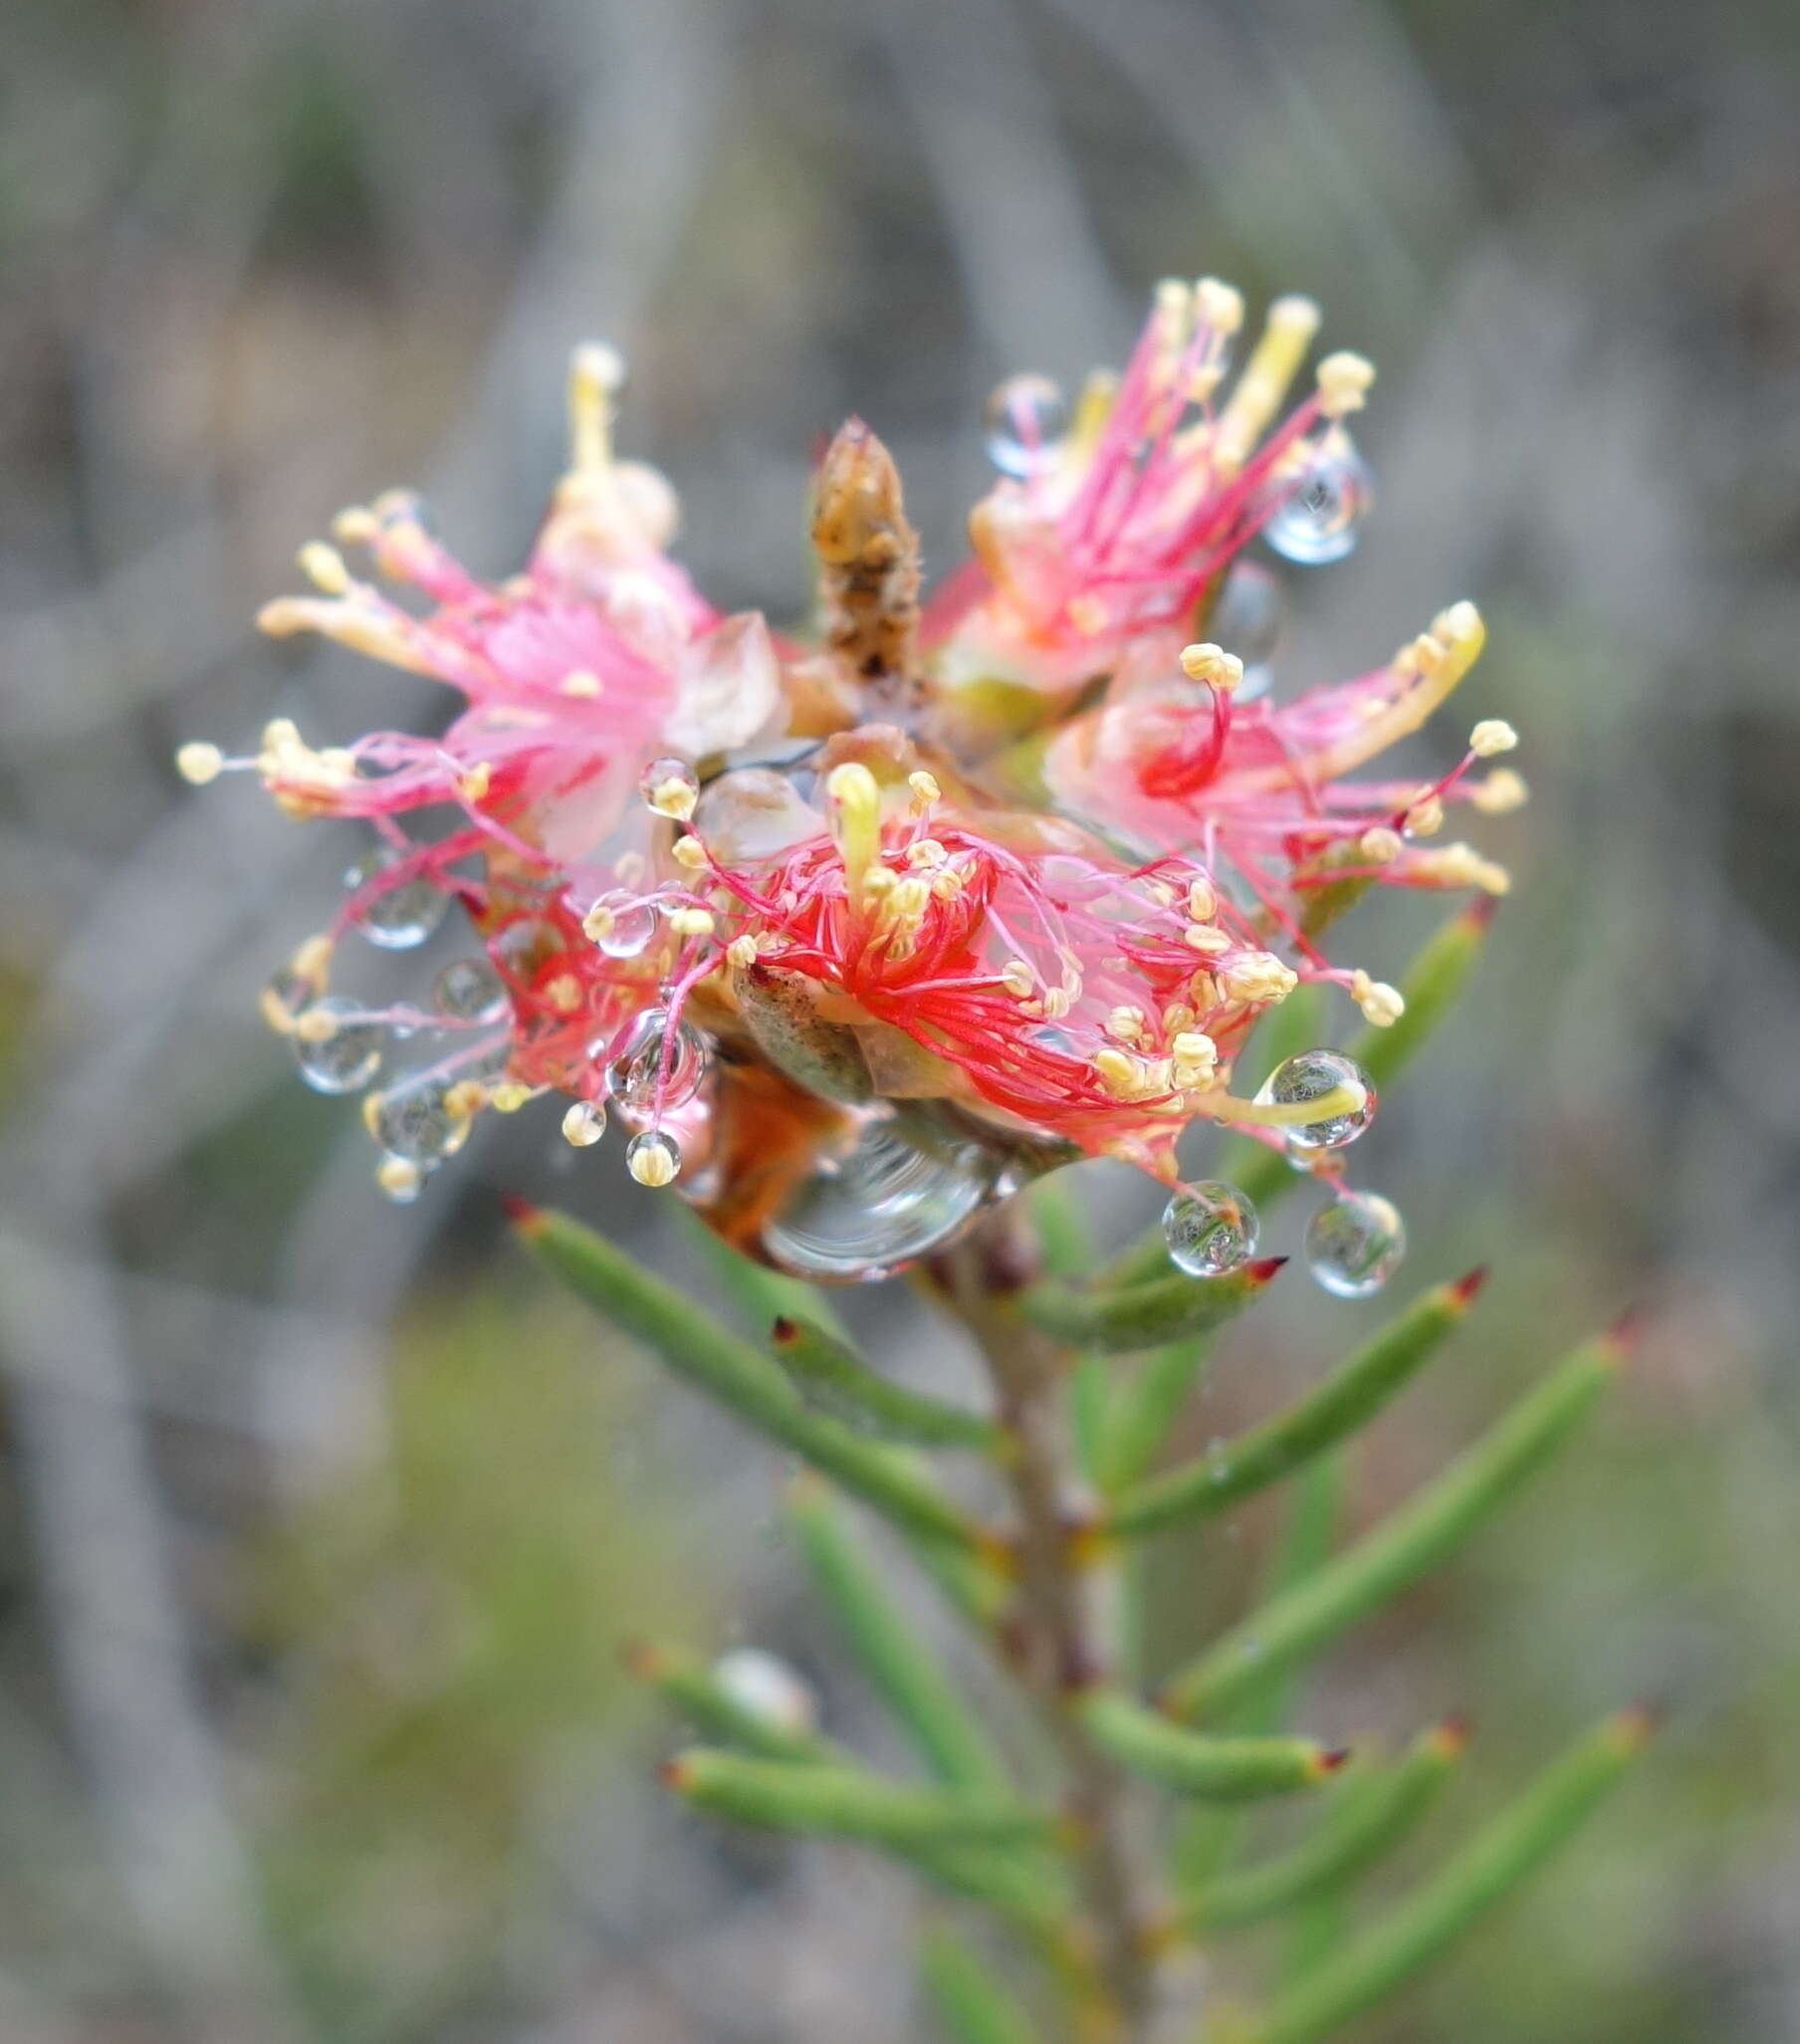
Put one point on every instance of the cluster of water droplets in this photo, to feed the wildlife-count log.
(1354, 1243)
(1320, 514)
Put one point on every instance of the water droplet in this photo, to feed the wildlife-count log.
(412, 1120)
(633, 1074)
(1320, 518)
(399, 1181)
(1247, 620)
(754, 813)
(336, 1055)
(584, 1124)
(404, 915)
(470, 990)
(671, 786)
(767, 1687)
(653, 1158)
(905, 1186)
(632, 926)
(1211, 1228)
(1354, 1243)
(1026, 419)
(1310, 1076)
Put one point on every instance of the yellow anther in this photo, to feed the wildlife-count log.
(674, 797)
(927, 852)
(1461, 865)
(1213, 665)
(596, 373)
(1194, 1060)
(691, 922)
(582, 683)
(1493, 735)
(1208, 939)
(1126, 1024)
(856, 817)
(1259, 977)
(925, 789)
(467, 1097)
(1057, 1003)
(1381, 846)
(1176, 1017)
(1018, 977)
(1502, 792)
(1219, 304)
(1344, 380)
(1120, 1074)
(197, 761)
(280, 735)
(1382, 1004)
(508, 1096)
(323, 567)
(356, 525)
(946, 883)
(398, 1179)
(688, 852)
(879, 883)
(1203, 900)
(741, 952)
(315, 1025)
(596, 924)
(563, 994)
(1426, 817)
(473, 784)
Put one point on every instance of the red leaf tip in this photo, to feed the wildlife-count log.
(1264, 1269)
(1481, 911)
(1468, 1289)
(1451, 1735)
(519, 1210)
(782, 1330)
(1625, 1333)
(1332, 1758)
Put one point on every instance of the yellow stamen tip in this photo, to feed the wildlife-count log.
(198, 762)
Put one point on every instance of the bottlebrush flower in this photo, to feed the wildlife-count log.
(945, 894)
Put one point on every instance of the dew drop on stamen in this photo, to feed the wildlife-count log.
(1354, 1243)
(1310, 1076)
(469, 990)
(412, 1120)
(633, 1076)
(653, 1158)
(1320, 518)
(670, 786)
(1247, 620)
(1210, 1228)
(633, 926)
(1025, 423)
(286, 992)
(403, 916)
(341, 1060)
(584, 1124)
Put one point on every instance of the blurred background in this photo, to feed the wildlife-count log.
(321, 1523)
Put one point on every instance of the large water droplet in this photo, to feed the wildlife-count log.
(335, 1053)
(767, 1687)
(754, 813)
(670, 786)
(1026, 419)
(1211, 1228)
(584, 1124)
(633, 1078)
(411, 1119)
(1320, 518)
(470, 990)
(626, 928)
(905, 1187)
(1247, 620)
(1354, 1243)
(1310, 1076)
(405, 915)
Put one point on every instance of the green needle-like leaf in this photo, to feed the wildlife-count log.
(1374, 1814)
(738, 1376)
(1495, 1862)
(847, 1802)
(1145, 1410)
(1411, 1540)
(1225, 1770)
(915, 1687)
(1121, 1319)
(761, 1294)
(972, 2003)
(1328, 1415)
(834, 1379)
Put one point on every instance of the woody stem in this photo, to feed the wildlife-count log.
(1055, 1640)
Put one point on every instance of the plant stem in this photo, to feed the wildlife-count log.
(1055, 1640)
